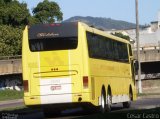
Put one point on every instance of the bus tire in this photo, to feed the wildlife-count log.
(128, 103)
(109, 101)
(103, 102)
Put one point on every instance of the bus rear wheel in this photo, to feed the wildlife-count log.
(106, 106)
(109, 101)
(103, 102)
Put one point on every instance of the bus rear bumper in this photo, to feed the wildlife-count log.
(56, 99)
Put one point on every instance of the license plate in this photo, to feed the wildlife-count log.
(56, 87)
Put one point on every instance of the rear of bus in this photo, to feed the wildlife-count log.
(53, 64)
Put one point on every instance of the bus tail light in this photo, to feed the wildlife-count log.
(85, 81)
(25, 84)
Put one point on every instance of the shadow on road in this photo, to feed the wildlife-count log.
(24, 113)
(79, 113)
(117, 113)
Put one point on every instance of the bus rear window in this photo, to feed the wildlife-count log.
(57, 36)
(53, 44)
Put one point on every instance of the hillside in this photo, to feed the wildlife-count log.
(103, 23)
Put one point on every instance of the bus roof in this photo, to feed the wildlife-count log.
(69, 29)
(103, 33)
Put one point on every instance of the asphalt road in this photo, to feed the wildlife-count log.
(11, 104)
(140, 104)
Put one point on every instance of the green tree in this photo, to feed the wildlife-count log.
(14, 13)
(47, 12)
(118, 34)
(13, 17)
(10, 41)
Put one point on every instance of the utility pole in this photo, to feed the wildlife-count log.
(138, 49)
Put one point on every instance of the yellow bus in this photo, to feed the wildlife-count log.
(70, 63)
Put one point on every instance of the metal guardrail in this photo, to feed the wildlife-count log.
(10, 57)
(147, 48)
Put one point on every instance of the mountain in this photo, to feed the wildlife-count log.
(103, 23)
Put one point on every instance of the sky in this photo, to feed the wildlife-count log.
(114, 9)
